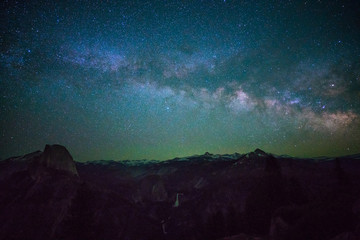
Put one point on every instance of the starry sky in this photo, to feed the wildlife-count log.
(158, 79)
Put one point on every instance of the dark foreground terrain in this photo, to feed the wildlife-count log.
(46, 195)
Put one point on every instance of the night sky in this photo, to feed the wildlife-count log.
(162, 79)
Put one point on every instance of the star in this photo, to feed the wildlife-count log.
(134, 80)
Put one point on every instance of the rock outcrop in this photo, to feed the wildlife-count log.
(54, 157)
(58, 157)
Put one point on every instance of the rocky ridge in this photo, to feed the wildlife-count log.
(46, 195)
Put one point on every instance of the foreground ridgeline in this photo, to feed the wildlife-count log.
(46, 195)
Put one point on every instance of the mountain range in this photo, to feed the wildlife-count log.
(258, 195)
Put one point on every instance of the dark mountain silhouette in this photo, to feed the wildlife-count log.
(55, 157)
(42, 197)
(46, 195)
(59, 158)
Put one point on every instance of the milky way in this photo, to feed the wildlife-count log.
(159, 79)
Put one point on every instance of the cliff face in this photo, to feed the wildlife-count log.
(58, 157)
(43, 197)
(36, 193)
